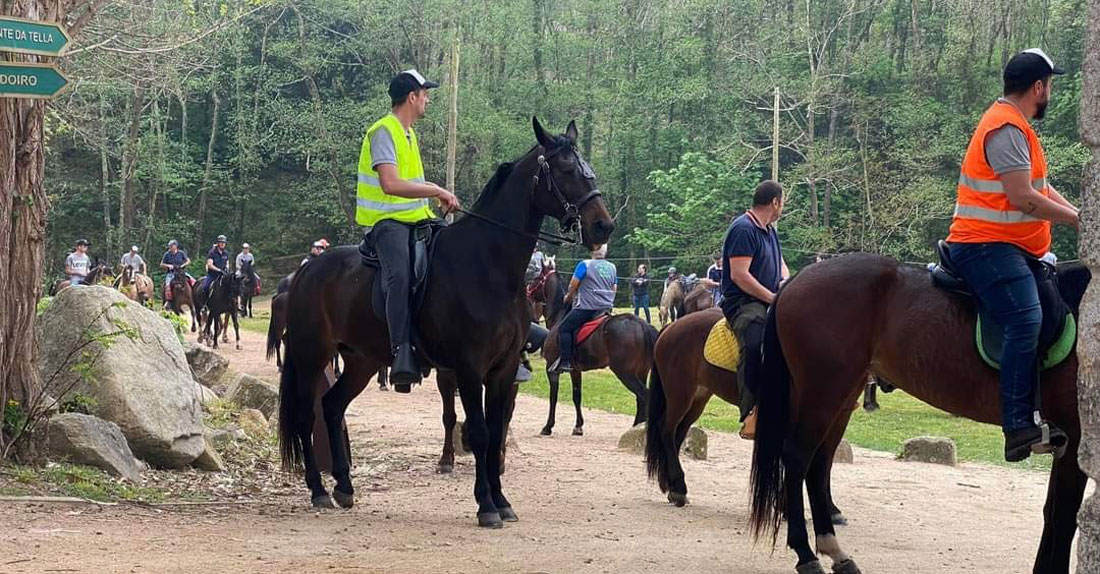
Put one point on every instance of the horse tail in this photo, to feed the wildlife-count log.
(276, 326)
(290, 399)
(656, 459)
(767, 478)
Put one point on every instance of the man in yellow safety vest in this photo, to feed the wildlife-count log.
(392, 198)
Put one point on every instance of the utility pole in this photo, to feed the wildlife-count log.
(775, 136)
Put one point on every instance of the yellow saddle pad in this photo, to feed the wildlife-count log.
(722, 349)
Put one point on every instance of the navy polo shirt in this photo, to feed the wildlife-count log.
(747, 239)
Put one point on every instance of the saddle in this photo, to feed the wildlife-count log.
(590, 327)
(1059, 328)
(423, 245)
(168, 288)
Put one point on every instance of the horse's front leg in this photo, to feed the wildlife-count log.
(499, 389)
(578, 429)
(1065, 490)
(470, 389)
(446, 383)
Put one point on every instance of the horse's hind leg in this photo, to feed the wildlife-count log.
(555, 384)
(634, 384)
(236, 330)
(822, 509)
(225, 327)
(575, 374)
(446, 383)
(1065, 490)
(357, 372)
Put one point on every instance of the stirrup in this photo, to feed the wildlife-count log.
(1051, 442)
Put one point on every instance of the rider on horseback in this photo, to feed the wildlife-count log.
(175, 260)
(756, 269)
(77, 263)
(315, 250)
(1002, 223)
(217, 263)
(594, 284)
(133, 260)
(392, 198)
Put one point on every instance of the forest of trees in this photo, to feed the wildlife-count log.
(191, 119)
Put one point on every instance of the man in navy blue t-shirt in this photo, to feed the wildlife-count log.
(754, 271)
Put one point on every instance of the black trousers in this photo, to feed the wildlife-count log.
(567, 332)
(391, 240)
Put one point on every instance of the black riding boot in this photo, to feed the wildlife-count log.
(404, 373)
(1019, 444)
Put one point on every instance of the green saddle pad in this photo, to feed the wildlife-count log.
(988, 336)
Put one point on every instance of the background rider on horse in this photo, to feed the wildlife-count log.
(392, 197)
(217, 263)
(594, 284)
(134, 261)
(77, 263)
(756, 269)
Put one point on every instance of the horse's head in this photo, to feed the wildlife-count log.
(569, 193)
(246, 268)
(550, 263)
(128, 274)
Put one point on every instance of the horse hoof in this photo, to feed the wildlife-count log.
(343, 499)
(813, 567)
(846, 567)
(489, 520)
(546, 431)
(383, 388)
(443, 468)
(238, 347)
(578, 431)
(508, 515)
(839, 520)
(677, 498)
(322, 501)
(870, 408)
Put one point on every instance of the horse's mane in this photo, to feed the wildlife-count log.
(505, 169)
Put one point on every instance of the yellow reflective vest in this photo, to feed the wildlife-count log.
(373, 204)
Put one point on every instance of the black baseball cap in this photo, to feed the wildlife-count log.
(408, 82)
(1028, 67)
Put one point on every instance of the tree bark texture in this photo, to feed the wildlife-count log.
(23, 209)
(1088, 343)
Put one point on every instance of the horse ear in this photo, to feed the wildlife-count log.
(544, 139)
(571, 131)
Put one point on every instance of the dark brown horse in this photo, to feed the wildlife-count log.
(842, 317)
(217, 305)
(623, 342)
(472, 336)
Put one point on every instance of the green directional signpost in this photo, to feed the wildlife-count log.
(23, 80)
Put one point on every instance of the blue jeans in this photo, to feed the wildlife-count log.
(642, 302)
(1005, 285)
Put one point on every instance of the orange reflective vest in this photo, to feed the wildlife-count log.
(983, 213)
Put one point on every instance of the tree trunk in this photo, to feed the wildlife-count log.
(23, 209)
(1088, 343)
(158, 183)
(197, 246)
(129, 166)
(105, 176)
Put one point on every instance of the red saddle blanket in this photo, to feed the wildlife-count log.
(590, 327)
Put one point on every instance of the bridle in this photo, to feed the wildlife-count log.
(570, 222)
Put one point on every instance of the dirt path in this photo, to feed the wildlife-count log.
(584, 506)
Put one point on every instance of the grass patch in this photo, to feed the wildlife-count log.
(258, 323)
(901, 417)
(79, 481)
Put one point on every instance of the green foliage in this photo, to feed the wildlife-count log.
(78, 403)
(674, 105)
(15, 416)
(180, 324)
(42, 305)
(83, 482)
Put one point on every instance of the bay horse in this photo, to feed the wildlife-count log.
(680, 386)
(246, 288)
(182, 296)
(538, 293)
(99, 273)
(472, 336)
(220, 299)
(698, 299)
(276, 335)
(136, 286)
(622, 342)
(844, 316)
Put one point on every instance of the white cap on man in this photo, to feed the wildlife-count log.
(134, 248)
(245, 246)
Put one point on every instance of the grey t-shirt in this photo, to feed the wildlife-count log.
(1006, 149)
(382, 149)
(598, 279)
(133, 260)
